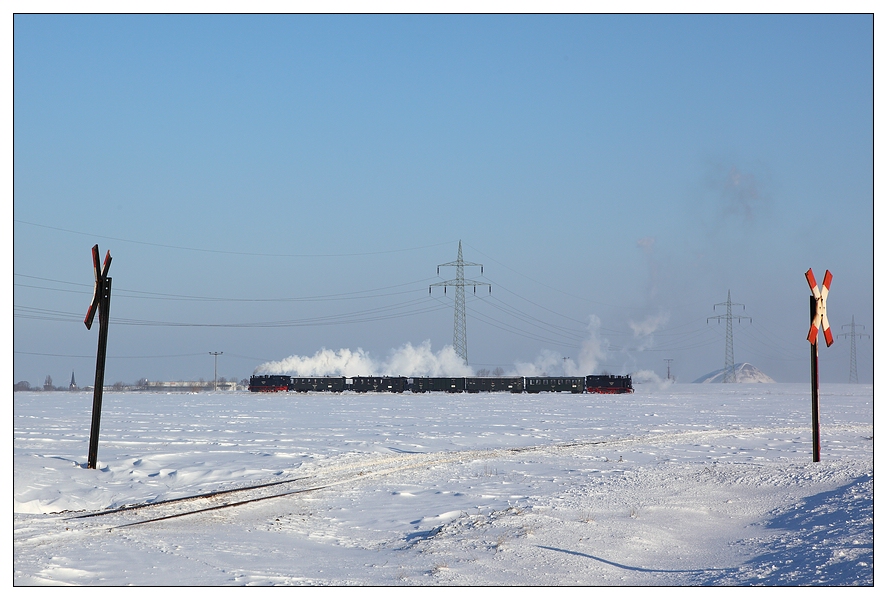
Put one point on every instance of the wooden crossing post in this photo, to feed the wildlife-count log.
(814, 382)
(818, 319)
(101, 302)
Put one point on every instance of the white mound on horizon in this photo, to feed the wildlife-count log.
(745, 373)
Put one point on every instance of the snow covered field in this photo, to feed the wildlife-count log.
(683, 484)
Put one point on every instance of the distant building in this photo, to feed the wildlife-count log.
(187, 386)
(144, 385)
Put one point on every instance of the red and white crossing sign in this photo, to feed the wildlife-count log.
(820, 319)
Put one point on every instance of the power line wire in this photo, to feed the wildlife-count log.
(114, 357)
(229, 252)
(540, 283)
(359, 295)
(408, 308)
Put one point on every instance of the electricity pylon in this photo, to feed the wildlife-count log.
(460, 338)
(853, 335)
(729, 365)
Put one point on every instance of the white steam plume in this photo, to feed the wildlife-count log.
(592, 353)
(646, 376)
(406, 361)
(421, 361)
(645, 329)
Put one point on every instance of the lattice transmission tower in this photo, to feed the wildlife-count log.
(460, 338)
(729, 364)
(853, 335)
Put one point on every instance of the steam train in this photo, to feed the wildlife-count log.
(590, 384)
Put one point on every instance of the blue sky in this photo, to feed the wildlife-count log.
(258, 178)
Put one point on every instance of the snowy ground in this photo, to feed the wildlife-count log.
(693, 484)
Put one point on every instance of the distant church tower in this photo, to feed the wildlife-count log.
(73, 386)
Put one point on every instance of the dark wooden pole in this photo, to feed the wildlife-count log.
(814, 380)
(104, 307)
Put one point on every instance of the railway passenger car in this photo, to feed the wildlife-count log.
(438, 384)
(608, 384)
(515, 385)
(377, 384)
(534, 385)
(317, 384)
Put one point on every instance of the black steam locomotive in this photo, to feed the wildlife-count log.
(590, 384)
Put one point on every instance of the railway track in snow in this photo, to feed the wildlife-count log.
(151, 512)
(353, 469)
(324, 477)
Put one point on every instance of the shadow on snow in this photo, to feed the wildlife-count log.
(825, 539)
